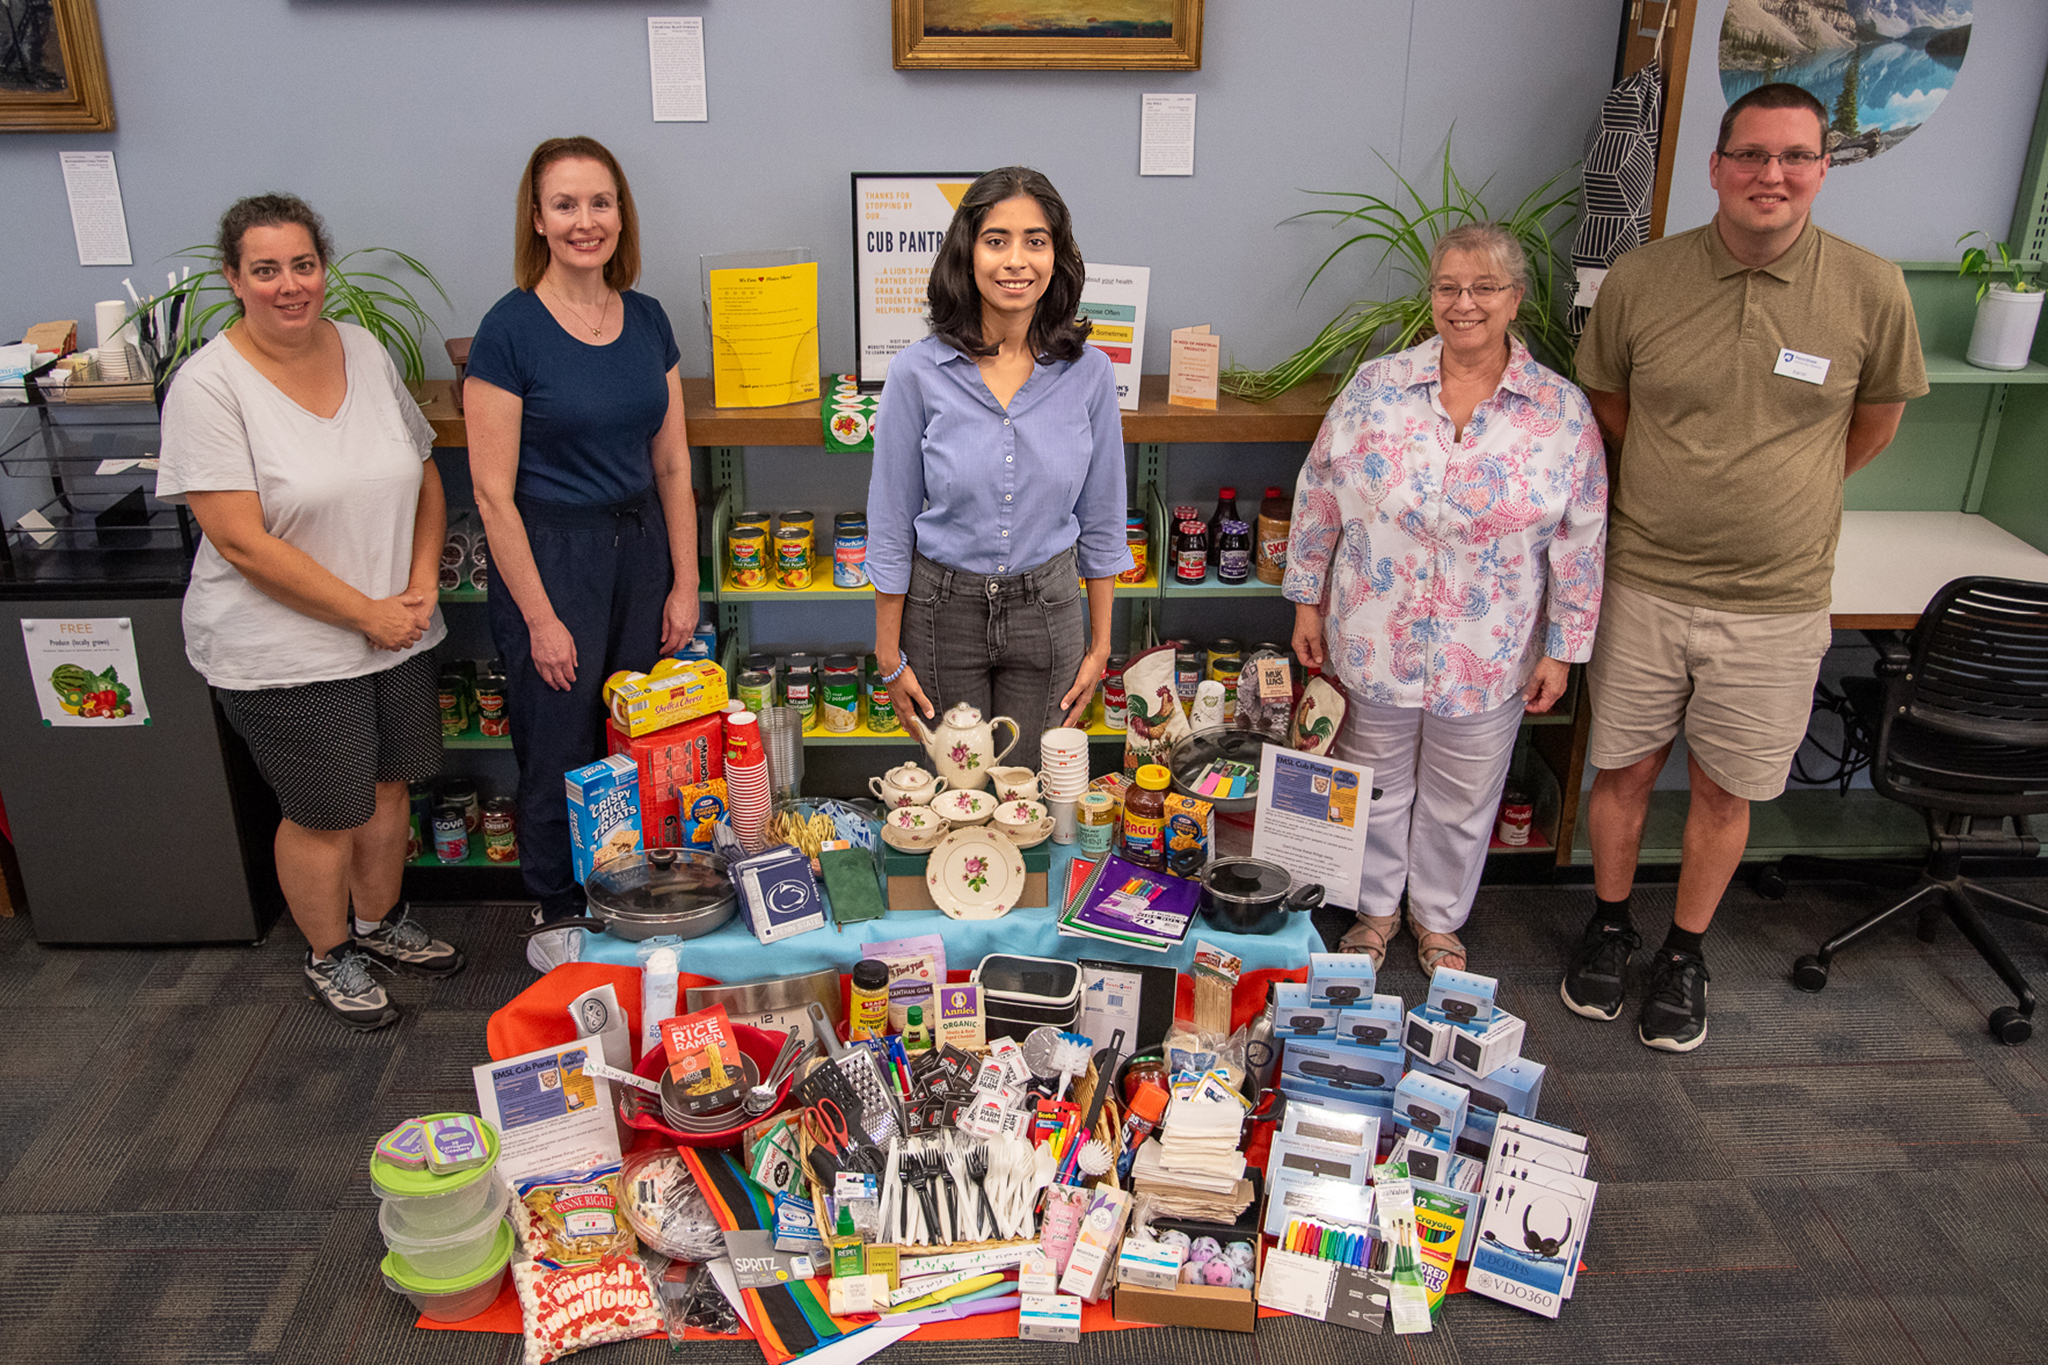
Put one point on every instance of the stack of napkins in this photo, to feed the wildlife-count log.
(1197, 1146)
(1175, 1200)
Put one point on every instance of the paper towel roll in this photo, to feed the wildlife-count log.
(108, 316)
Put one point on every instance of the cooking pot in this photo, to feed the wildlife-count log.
(672, 892)
(1252, 896)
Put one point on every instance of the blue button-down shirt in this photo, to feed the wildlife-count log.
(962, 481)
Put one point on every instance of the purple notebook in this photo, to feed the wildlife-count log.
(1131, 904)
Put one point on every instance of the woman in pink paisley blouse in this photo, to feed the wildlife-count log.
(1445, 564)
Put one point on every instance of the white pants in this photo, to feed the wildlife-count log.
(1441, 780)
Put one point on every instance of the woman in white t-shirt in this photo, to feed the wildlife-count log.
(312, 605)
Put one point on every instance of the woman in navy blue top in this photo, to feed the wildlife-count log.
(998, 482)
(582, 469)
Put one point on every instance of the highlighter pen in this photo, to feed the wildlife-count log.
(1291, 1239)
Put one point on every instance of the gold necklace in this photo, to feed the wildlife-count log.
(602, 313)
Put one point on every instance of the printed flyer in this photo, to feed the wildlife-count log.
(84, 671)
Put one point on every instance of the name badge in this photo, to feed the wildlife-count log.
(1799, 365)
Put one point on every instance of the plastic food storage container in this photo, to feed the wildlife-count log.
(458, 1298)
(1021, 993)
(429, 1205)
(453, 1253)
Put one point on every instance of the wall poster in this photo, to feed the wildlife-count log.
(898, 223)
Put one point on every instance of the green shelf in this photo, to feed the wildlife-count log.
(476, 858)
(1862, 824)
(471, 739)
(1213, 587)
(1953, 369)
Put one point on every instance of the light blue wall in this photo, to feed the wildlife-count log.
(407, 123)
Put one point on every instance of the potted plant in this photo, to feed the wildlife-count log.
(2008, 308)
(1406, 236)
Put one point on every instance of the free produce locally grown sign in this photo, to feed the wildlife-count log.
(84, 671)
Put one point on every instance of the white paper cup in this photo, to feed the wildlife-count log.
(1065, 827)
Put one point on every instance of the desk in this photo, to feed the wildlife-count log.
(732, 954)
(1889, 564)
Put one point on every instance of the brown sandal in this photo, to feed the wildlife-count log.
(1370, 937)
(1431, 948)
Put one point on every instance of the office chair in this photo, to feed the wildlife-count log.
(1957, 719)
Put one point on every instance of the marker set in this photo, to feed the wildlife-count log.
(1327, 1243)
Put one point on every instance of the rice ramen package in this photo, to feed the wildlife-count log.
(703, 1059)
(575, 1219)
(566, 1310)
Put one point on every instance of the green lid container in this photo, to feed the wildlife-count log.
(393, 1180)
(458, 1299)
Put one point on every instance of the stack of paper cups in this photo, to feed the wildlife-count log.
(746, 781)
(107, 317)
(1063, 777)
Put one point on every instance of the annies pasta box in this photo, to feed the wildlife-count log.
(604, 813)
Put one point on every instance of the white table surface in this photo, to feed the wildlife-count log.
(1889, 564)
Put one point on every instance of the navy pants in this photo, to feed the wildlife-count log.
(607, 573)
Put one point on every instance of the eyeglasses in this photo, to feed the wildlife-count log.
(1752, 159)
(1481, 293)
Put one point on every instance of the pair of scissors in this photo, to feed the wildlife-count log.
(825, 1125)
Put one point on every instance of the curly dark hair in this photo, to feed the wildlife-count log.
(269, 210)
(1056, 328)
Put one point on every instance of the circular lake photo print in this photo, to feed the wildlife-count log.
(1881, 67)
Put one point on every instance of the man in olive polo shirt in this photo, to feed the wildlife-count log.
(1740, 372)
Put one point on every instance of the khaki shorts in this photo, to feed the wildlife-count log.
(1740, 685)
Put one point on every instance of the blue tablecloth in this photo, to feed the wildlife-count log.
(732, 954)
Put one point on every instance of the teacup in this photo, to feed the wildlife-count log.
(965, 807)
(1014, 784)
(913, 827)
(1026, 822)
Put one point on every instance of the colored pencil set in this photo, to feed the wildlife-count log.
(1326, 1243)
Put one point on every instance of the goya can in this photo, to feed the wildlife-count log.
(839, 694)
(850, 550)
(756, 690)
(451, 833)
(501, 830)
(792, 557)
(746, 551)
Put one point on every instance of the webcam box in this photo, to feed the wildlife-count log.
(1484, 1049)
(1295, 1017)
(1339, 981)
(1512, 1089)
(1426, 1035)
(1345, 1068)
(1464, 998)
(1431, 1104)
(1372, 1023)
(1375, 1104)
(1428, 1155)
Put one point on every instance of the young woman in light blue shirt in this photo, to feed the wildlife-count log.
(998, 483)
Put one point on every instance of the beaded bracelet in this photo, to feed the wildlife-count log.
(902, 662)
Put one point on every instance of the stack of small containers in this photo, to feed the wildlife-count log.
(443, 1214)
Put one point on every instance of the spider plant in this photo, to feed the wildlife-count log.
(175, 323)
(1405, 236)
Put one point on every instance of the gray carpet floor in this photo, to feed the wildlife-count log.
(1857, 1176)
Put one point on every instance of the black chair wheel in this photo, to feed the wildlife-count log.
(1769, 883)
(2010, 1027)
(1810, 974)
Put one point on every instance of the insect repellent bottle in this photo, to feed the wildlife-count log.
(917, 1034)
(847, 1255)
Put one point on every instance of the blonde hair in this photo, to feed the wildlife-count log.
(530, 254)
(1491, 242)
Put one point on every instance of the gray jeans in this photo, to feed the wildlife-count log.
(1007, 646)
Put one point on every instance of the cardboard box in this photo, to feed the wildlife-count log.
(907, 892)
(1484, 1049)
(1340, 981)
(1190, 830)
(676, 756)
(1151, 1264)
(1332, 1062)
(1372, 1023)
(604, 813)
(61, 337)
(1294, 1017)
(1188, 1305)
(1426, 1035)
(669, 696)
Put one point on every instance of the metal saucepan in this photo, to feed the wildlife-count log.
(1253, 896)
(672, 892)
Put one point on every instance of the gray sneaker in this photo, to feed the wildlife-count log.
(402, 945)
(547, 949)
(343, 984)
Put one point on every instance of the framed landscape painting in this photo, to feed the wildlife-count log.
(53, 72)
(1102, 35)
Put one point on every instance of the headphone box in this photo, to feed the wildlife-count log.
(1462, 997)
(1483, 1050)
(1431, 1104)
(1295, 1017)
(1372, 1023)
(1339, 981)
(1426, 1035)
(1341, 1067)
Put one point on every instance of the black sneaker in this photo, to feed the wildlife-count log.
(402, 945)
(1596, 980)
(343, 984)
(1674, 1017)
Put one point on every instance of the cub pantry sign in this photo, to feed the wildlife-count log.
(84, 671)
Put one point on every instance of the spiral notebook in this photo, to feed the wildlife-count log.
(1122, 902)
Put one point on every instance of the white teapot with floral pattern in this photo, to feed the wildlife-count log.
(962, 746)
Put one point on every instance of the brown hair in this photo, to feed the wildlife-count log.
(530, 254)
(955, 300)
(1777, 95)
(269, 210)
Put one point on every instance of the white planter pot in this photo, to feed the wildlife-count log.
(2004, 334)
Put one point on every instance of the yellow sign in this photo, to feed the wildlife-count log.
(764, 335)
